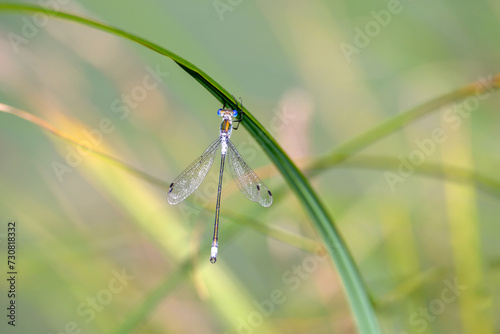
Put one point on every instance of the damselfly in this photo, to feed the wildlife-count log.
(245, 178)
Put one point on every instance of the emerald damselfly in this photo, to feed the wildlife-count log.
(245, 178)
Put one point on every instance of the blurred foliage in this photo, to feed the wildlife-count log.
(80, 230)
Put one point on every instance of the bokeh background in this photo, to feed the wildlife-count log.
(101, 251)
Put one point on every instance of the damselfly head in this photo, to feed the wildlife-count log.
(230, 112)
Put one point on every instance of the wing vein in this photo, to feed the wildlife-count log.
(190, 179)
(245, 178)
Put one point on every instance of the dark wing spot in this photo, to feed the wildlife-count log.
(269, 192)
(258, 188)
(171, 187)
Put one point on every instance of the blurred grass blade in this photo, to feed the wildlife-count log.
(347, 149)
(151, 301)
(363, 310)
(447, 172)
(296, 241)
(47, 126)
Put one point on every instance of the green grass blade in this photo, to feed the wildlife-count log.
(153, 299)
(347, 149)
(357, 294)
(446, 172)
(68, 138)
(358, 297)
(204, 79)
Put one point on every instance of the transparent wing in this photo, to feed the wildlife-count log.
(190, 179)
(245, 178)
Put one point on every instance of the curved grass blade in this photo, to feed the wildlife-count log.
(447, 172)
(363, 310)
(204, 79)
(47, 126)
(348, 148)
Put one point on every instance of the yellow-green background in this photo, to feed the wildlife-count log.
(283, 58)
